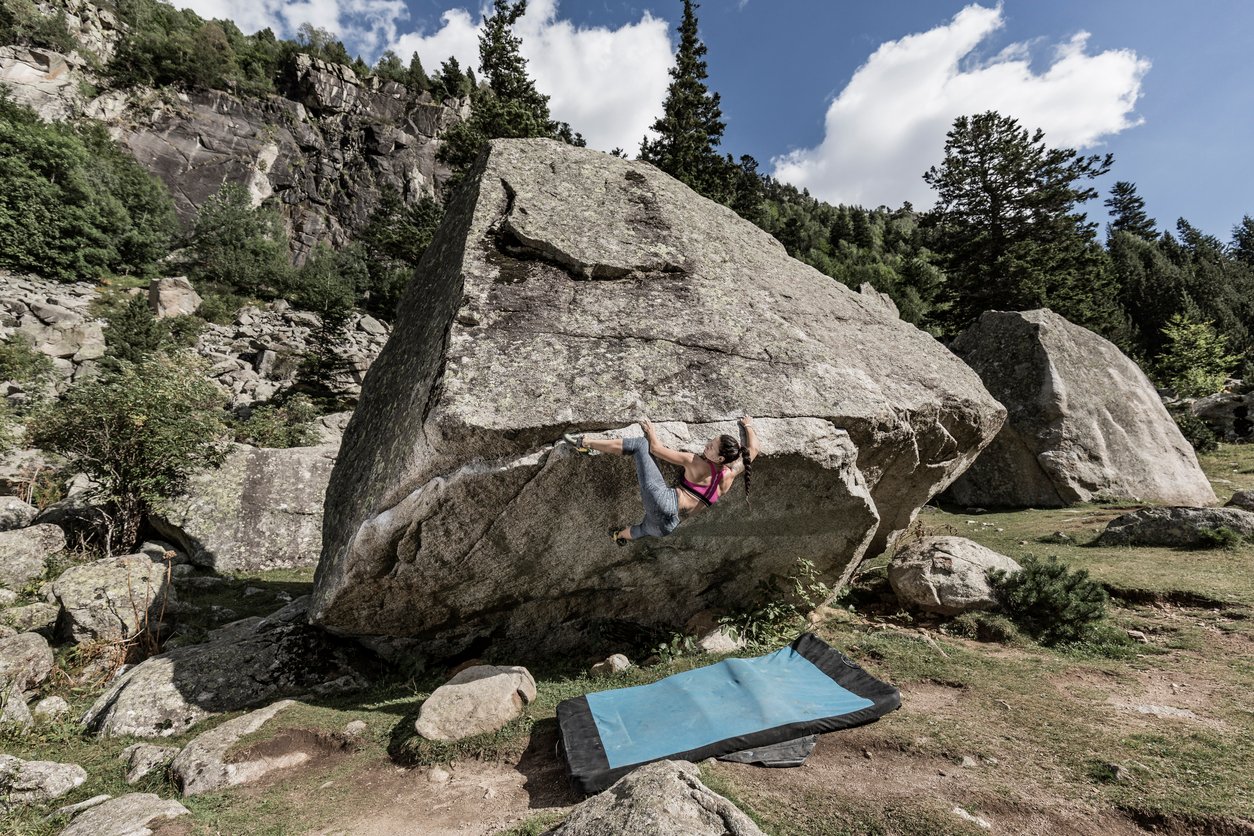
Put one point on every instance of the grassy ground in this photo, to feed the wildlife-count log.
(1109, 736)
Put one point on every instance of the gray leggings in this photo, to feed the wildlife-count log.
(661, 505)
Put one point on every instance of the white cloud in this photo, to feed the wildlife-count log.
(607, 83)
(365, 26)
(889, 123)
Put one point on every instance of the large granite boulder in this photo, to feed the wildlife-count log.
(1084, 421)
(946, 575)
(284, 656)
(663, 798)
(262, 509)
(172, 296)
(570, 289)
(1175, 526)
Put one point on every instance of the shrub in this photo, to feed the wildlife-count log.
(21, 22)
(219, 308)
(286, 424)
(327, 284)
(74, 205)
(1219, 537)
(132, 332)
(1195, 431)
(780, 618)
(139, 429)
(1049, 602)
(985, 627)
(238, 246)
(30, 369)
(1195, 359)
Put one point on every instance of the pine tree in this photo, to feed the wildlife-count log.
(508, 105)
(416, 76)
(691, 126)
(1128, 210)
(1010, 234)
(1243, 241)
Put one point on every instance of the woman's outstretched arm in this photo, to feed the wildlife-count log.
(660, 450)
(751, 438)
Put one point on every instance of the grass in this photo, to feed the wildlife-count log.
(1044, 724)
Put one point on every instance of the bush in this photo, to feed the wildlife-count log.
(1049, 602)
(780, 619)
(238, 247)
(327, 284)
(74, 206)
(30, 369)
(219, 308)
(985, 627)
(21, 22)
(140, 430)
(286, 424)
(1195, 359)
(1195, 431)
(132, 332)
(1220, 537)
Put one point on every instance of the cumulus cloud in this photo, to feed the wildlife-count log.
(889, 123)
(607, 83)
(365, 26)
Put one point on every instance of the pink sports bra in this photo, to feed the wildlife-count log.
(707, 494)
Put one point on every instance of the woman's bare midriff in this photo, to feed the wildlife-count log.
(686, 502)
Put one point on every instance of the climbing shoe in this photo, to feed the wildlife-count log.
(618, 540)
(575, 440)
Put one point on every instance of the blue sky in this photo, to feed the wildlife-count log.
(851, 100)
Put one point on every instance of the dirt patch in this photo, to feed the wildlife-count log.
(316, 743)
(841, 775)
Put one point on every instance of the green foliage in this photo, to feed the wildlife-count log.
(139, 430)
(690, 129)
(1195, 430)
(392, 243)
(219, 307)
(285, 424)
(508, 104)
(74, 206)
(327, 283)
(1127, 208)
(1195, 359)
(986, 627)
(132, 332)
(30, 369)
(676, 646)
(1220, 537)
(238, 247)
(21, 22)
(8, 435)
(1009, 231)
(780, 617)
(1049, 602)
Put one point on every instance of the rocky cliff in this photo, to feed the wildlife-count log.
(321, 151)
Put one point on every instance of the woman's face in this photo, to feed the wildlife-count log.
(711, 451)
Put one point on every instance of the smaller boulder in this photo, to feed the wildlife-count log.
(35, 782)
(135, 813)
(24, 550)
(114, 598)
(611, 665)
(172, 296)
(38, 618)
(144, 758)
(1179, 526)
(712, 636)
(476, 701)
(25, 661)
(50, 708)
(946, 575)
(203, 765)
(14, 712)
(1241, 499)
(14, 513)
(663, 798)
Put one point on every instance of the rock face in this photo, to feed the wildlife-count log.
(113, 598)
(134, 814)
(23, 552)
(1084, 421)
(1184, 527)
(946, 575)
(203, 765)
(664, 798)
(168, 694)
(568, 289)
(262, 509)
(477, 700)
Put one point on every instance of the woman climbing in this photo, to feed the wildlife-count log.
(705, 476)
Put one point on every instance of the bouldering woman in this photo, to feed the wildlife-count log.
(705, 476)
